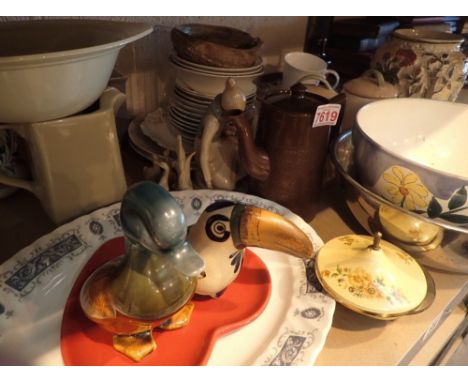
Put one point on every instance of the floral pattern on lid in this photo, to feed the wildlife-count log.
(371, 276)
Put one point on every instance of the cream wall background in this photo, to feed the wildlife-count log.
(146, 65)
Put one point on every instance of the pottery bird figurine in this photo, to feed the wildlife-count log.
(152, 284)
(223, 231)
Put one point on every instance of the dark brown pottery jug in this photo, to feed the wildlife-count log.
(286, 162)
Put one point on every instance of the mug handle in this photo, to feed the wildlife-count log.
(10, 180)
(334, 74)
(319, 78)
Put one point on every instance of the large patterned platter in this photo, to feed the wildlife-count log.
(36, 282)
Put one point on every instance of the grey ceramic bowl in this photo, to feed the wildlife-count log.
(412, 152)
(435, 243)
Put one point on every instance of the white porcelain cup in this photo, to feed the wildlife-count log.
(297, 65)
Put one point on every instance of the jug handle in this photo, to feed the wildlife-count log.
(10, 180)
(112, 98)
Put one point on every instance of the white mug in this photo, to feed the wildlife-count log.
(298, 65)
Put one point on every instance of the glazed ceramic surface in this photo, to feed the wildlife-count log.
(370, 276)
(210, 319)
(435, 243)
(371, 86)
(286, 158)
(426, 64)
(213, 84)
(412, 152)
(258, 66)
(300, 64)
(55, 68)
(153, 281)
(76, 162)
(35, 284)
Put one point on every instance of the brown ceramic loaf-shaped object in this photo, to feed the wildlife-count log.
(215, 45)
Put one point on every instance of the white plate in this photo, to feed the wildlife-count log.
(215, 69)
(141, 143)
(180, 110)
(234, 74)
(36, 282)
(186, 108)
(208, 88)
(183, 117)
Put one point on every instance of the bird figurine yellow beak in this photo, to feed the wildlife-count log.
(224, 229)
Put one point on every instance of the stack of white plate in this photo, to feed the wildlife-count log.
(195, 88)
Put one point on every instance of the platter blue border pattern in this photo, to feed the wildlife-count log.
(35, 283)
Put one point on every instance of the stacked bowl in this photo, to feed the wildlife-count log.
(197, 85)
(405, 175)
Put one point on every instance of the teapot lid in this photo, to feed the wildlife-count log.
(371, 85)
(296, 100)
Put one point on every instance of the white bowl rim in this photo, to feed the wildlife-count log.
(401, 157)
(145, 29)
(429, 36)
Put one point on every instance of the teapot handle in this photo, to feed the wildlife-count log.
(374, 73)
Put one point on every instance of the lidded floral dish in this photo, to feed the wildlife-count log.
(371, 276)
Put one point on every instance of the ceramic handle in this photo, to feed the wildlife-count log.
(15, 182)
(112, 99)
(334, 74)
(319, 78)
(10, 180)
(373, 73)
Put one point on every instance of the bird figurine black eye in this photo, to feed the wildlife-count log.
(217, 228)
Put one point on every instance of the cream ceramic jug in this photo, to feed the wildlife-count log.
(75, 161)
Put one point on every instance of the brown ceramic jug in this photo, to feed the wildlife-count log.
(286, 162)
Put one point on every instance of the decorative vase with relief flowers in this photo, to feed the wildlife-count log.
(423, 64)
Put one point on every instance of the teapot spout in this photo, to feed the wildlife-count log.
(254, 159)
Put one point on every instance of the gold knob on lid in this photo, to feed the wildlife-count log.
(376, 244)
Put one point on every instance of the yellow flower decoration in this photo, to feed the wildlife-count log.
(359, 278)
(405, 189)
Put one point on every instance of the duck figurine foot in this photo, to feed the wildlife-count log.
(136, 346)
